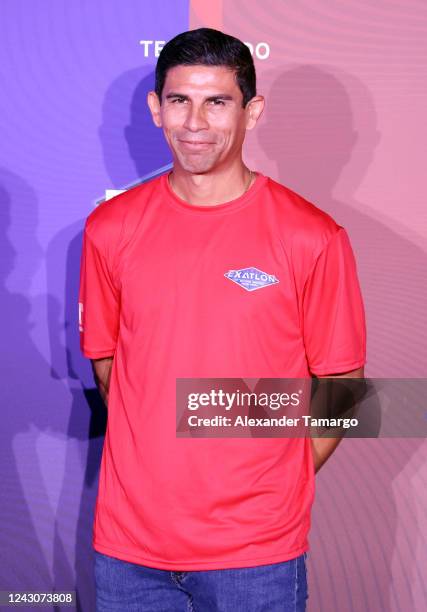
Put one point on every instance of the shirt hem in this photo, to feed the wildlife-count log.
(339, 368)
(197, 565)
(98, 354)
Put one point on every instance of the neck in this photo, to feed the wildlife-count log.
(215, 187)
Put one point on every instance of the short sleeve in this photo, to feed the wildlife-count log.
(334, 328)
(99, 303)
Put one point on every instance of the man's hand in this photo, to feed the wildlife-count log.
(102, 372)
(324, 447)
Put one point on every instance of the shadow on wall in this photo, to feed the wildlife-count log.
(33, 404)
(132, 146)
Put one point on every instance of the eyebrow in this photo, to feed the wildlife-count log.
(209, 99)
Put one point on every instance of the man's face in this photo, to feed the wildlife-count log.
(202, 116)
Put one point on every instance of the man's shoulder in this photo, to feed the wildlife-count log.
(111, 216)
(300, 219)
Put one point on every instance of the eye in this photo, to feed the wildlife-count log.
(178, 100)
(217, 102)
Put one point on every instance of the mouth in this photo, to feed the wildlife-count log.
(194, 144)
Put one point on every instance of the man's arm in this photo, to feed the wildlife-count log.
(102, 372)
(324, 447)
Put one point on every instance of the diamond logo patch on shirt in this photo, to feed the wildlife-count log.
(251, 278)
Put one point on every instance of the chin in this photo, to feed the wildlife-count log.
(197, 167)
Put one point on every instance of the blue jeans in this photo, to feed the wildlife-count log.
(122, 586)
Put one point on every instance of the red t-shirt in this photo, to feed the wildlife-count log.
(159, 290)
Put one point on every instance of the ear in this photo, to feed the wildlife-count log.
(254, 109)
(154, 106)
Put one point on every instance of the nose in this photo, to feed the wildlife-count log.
(195, 119)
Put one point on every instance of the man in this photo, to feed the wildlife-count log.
(214, 523)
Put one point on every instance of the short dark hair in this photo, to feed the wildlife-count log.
(208, 47)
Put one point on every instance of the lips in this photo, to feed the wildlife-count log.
(194, 145)
(195, 142)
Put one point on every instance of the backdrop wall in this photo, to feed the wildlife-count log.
(344, 126)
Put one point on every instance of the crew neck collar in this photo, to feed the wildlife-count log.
(212, 209)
